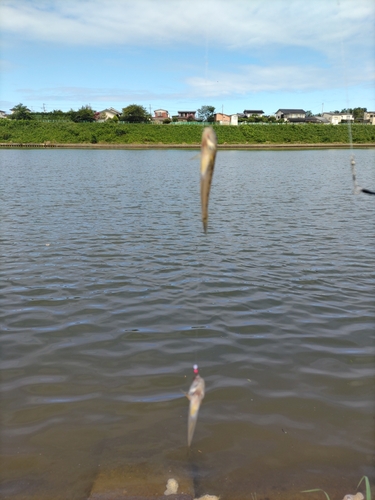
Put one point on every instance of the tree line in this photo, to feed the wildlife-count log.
(131, 114)
(135, 113)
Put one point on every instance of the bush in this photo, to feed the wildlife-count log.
(119, 133)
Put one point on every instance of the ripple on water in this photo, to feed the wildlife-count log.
(112, 292)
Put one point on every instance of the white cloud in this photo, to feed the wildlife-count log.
(253, 78)
(242, 81)
(320, 24)
(275, 33)
(90, 95)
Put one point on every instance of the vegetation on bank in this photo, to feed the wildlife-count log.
(30, 131)
(132, 114)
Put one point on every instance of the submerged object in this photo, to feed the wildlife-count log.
(172, 487)
(195, 395)
(357, 496)
(208, 155)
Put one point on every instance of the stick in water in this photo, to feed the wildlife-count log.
(357, 189)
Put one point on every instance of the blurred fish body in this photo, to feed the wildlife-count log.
(208, 155)
(195, 395)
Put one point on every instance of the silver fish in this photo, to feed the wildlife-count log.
(208, 155)
(195, 395)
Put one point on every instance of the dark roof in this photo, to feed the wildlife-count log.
(254, 111)
(296, 120)
(186, 111)
(289, 111)
(312, 119)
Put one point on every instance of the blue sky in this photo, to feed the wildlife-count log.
(182, 54)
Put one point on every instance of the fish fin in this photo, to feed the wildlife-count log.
(185, 394)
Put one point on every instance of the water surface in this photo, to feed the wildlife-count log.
(111, 292)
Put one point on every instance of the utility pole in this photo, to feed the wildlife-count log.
(322, 107)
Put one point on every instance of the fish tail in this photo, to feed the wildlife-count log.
(191, 428)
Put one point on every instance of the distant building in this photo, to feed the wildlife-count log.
(160, 115)
(336, 118)
(224, 119)
(251, 112)
(369, 116)
(290, 114)
(3, 114)
(316, 119)
(108, 114)
(183, 116)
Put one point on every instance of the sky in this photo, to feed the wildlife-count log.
(179, 55)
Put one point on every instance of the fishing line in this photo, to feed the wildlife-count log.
(208, 154)
(357, 189)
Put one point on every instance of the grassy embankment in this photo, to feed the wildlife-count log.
(12, 131)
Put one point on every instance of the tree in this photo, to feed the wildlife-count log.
(308, 114)
(135, 114)
(358, 113)
(206, 113)
(57, 114)
(21, 112)
(84, 114)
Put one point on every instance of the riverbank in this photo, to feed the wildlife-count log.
(124, 135)
(334, 145)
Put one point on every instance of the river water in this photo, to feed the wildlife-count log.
(111, 292)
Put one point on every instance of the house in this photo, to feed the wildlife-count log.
(251, 112)
(108, 114)
(160, 115)
(3, 114)
(290, 114)
(224, 119)
(369, 116)
(311, 119)
(184, 116)
(336, 118)
(316, 119)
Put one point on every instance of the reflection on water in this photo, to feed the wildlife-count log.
(111, 293)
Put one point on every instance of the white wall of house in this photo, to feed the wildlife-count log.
(336, 118)
(333, 119)
(370, 116)
(109, 113)
(251, 112)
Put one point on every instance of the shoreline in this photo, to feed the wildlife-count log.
(267, 146)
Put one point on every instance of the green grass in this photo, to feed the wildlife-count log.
(367, 484)
(122, 133)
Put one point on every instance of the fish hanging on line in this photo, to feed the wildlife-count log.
(208, 155)
(195, 396)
